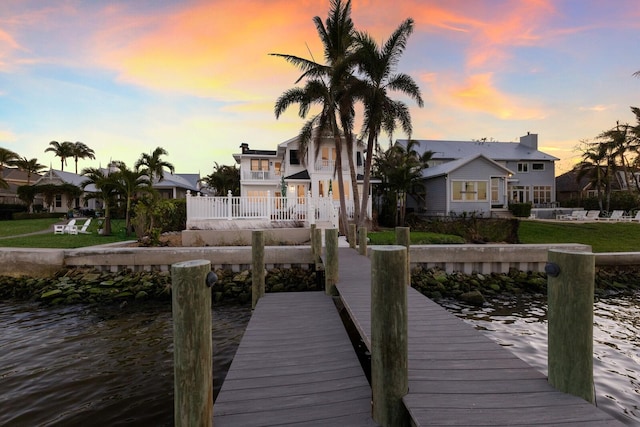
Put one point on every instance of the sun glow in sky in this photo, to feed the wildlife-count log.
(195, 77)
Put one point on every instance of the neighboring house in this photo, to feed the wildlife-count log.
(173, 186)
(15, 178)
(284, 173)
(485, 176)
(568, 187)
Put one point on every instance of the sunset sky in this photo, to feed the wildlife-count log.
(195, 77)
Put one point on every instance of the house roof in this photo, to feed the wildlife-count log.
(501, 151)
(54, 175)
(179, 180)
(448, 167)
(303, 175)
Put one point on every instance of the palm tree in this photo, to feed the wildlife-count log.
(594, 165)
(401, 169)
(153, 166)
(130, 182)
(63, 150)
(325, 86)
(30, 166)
(7, 157)
(82, 151)
(377, 64)
(223, 179)
(107, 187)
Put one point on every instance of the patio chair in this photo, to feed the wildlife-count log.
(617, 215)
(635, 218)
(575, 215)
(83, 230)
(71, 227)
(592, 216)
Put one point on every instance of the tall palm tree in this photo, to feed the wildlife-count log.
(377, 65)
(153, 165)
(82, 151)
(130, 183)
(63, 150)
(107, 189)
(326, 85)
(223, 179)
(30, 166)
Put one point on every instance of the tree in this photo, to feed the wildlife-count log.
(63, 150)
(377, 65)
(130, 183)
(401, 171)
(107, 187)
(596, 165)
(153, 165)
(3, 183)
(7, 157)
(223, 179)
(325, 86)
(30, 166)
(81, 151)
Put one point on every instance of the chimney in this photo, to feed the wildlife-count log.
(244, 147)
(530, 140)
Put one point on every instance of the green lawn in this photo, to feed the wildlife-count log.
(417, 238)
(50, 240)
(602, 236)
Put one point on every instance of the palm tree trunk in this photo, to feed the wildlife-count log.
(352, 169)
(367, 179)
(344, 221)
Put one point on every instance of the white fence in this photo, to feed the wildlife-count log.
(308, 209)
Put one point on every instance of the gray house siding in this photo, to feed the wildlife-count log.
(478, 170)
(436, 196)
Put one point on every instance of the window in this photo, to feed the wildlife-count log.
(293, 157)
(277, 168)
(523, 167)
(359, 158)
(259, 165)
(537, 166)
(541, 194)
(58, 200)
(474, 191)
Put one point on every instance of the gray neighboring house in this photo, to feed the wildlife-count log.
(173, 186)
(483, 177)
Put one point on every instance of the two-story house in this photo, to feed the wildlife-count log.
(485, 176)
(285, 172)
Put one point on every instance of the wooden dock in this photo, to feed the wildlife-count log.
(295, 366)
(457, 375)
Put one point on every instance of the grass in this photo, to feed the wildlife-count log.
(417, 238)
(50, 240)
(603, 237)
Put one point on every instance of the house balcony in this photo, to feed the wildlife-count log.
(324, 165)
(260, 176)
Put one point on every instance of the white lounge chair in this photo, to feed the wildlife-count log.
(635, 218)
(69, 227)
(592, 216)
(617, 215)
(83, 230)
(575, 215)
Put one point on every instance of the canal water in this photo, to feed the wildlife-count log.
(520, 324)
(79, 366)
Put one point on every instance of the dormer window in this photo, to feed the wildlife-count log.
(293, 157)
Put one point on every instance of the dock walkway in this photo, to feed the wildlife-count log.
(295, 365)
(457, 375)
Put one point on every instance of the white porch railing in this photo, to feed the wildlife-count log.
(309, 209)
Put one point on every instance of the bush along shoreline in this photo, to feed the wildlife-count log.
(88, 286)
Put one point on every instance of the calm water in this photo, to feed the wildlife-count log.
(521, 325)
(78, 366)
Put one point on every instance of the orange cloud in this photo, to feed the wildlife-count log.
(478, 93)
(214, 49)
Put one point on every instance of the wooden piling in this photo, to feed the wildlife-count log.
(316, 243)
(362, 240)
(403, 238)
(257, 266)
(389, 342)
(570, 288)
(331, 261)
(352, 236)
(192, 345)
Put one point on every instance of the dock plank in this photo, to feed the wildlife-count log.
(295, 365)
(457, 375)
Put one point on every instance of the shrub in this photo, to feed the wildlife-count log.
(520, 210)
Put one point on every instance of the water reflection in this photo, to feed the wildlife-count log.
(75, 366)
(521, 325)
